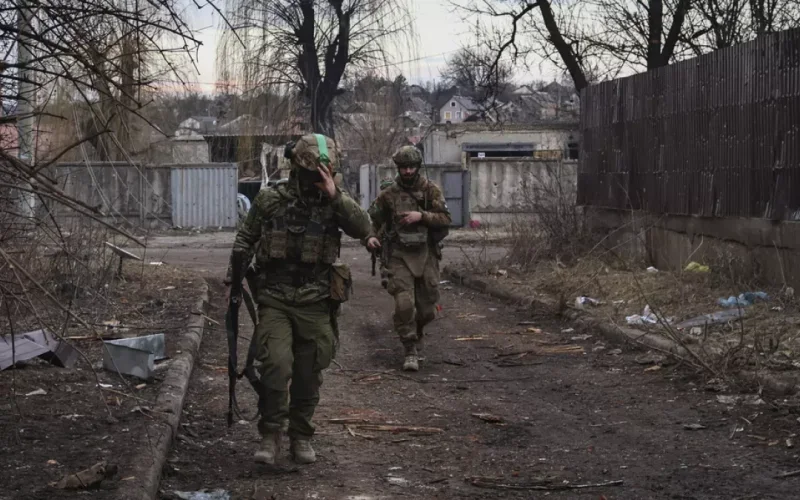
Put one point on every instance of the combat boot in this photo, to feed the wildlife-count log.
(411, 362)
(270, 446)
(302, 452)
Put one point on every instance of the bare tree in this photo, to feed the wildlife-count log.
(308, 45)
(375, 129)
(716, 24)
(65, 60)
(594, 39)
(472, 69)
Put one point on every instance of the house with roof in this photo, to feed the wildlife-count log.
(457, 109)
(197, 125)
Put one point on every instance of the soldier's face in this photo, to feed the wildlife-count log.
(407, 172)
(308, 180)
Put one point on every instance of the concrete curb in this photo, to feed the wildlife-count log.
(783, 386)
(150, 459)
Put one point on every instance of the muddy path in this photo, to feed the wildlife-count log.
(517, 404)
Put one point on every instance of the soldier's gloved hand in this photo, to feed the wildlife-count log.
(327, 185)
(373, 243)
(410, 218)
(228, 289)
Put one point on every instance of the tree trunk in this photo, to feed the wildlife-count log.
(568, 56)
(655, 30)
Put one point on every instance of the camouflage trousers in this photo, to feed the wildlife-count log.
(295, 344)
(414, 298)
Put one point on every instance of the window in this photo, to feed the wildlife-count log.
(458, 115)
(452, 104)
(573, 150)
(447, 115)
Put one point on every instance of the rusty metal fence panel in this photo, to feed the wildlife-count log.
(204, 195)
(714, 136)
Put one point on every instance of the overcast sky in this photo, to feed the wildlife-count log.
(434, 26)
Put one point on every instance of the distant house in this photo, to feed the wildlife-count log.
(197, 125)
(457, 109)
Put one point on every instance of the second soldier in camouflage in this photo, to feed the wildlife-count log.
(410, 213)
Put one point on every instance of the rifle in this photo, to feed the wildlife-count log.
(374, 253)
(232, 327)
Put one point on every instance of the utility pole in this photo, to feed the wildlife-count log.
(25, 102)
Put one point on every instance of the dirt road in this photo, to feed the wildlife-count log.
(571, 410)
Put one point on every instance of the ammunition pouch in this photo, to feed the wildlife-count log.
(341, 283)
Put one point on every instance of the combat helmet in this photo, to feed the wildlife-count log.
(311, 150)
(408, 156)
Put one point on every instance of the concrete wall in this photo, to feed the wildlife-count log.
(502, 187)
(741, 248)
(137, 195)
(190, 150)
(443, 143)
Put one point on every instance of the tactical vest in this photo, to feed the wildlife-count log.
(299, 234)
(414, 235)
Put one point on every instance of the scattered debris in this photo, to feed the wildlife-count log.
(444, 282)
(156, 263)
(653, 368)
(614, 352)
(694, 427)
(581, 337)
(201, 495)
(582, 301)
(650, 358)
(37, 344)
(727, 400)
(86, 478)
(567, 330)
(647, 317)
(397, 481)
(134, 356)
(744, 299)
(122, 254)
(488, 417)
(712, 319)
(784, 475)
(502, 272)
(697, 268)
(545, 484)
(652, 269)
(37, 392)
(467, 339)
(470, 316)
(753, 400)
(534, 330)
(166, 288)
(399, 428)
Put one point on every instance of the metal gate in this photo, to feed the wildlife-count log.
(455, 185)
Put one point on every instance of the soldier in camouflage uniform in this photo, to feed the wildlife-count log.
(380, 234)
(294, 231)
(413, 213)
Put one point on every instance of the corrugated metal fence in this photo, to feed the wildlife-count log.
(718, 135)
(201, 195)
(204, 195)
